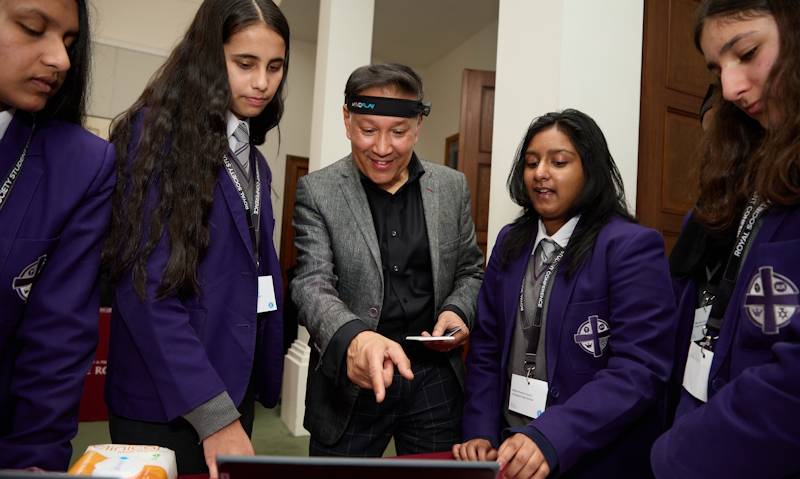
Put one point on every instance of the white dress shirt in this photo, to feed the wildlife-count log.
(561, 237)
(5, 119)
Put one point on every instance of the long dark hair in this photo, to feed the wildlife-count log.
(739, 156)
(601, 197)
(180, 148)
(69, 103)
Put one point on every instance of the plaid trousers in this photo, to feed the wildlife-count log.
(423, 415)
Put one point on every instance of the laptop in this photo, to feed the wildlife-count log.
(254, 467)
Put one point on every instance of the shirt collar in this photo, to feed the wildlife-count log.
(561, 237)
(233, 123)
(5, 120)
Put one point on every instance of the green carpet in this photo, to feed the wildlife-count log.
(271, 437)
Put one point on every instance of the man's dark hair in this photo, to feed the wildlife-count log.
(392, 76)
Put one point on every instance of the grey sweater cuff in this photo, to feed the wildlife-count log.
(212, 415)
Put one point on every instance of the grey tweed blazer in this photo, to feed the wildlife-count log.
(339, 277)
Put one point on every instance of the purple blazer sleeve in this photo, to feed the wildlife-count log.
(59, 207)
(174, 356)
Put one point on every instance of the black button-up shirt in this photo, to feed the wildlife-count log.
(399, 218)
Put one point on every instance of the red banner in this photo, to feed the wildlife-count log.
(93, 407)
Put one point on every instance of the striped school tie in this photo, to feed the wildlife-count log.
(242, 146)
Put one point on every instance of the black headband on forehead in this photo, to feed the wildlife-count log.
(379, 105)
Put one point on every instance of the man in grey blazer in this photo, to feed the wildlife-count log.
(385, 249)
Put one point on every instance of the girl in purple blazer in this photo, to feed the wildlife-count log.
(737, 261)
(196, 327)
(572, 346)
(55, 183)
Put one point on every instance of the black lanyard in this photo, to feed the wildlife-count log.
(724, 290)
(536, 325)
(11, 177)
(256, 200)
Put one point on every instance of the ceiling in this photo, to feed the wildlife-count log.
(414, 32)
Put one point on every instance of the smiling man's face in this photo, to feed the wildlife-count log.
(383, 145)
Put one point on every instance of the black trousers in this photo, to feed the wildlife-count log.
(178, 435)
(423, 415)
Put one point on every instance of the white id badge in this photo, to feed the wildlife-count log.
(700, 320)
(528, 396)
(266, 295)
(698, 367)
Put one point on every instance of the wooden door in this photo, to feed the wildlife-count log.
(296, 168)
(475, 144)
(674, 82)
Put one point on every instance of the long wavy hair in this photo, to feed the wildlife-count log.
(602, 195)
(69, 103)
(739, 156)
(166, 179)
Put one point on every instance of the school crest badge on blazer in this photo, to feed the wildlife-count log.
(771, 301)
(592, 336)
(24, 282)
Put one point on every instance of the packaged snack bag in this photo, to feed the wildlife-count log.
(126, 462)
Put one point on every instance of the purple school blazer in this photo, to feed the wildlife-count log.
(168, 357)
(51, 226)
(749, 426)
(603, 405)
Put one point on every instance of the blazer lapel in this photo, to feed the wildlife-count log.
(265, 218)
(511, 287)
(236, 208)
(428, 185)
(356, 199)
(556, 307)
(20, 197)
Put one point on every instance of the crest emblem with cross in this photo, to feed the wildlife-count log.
(593, 336)
(24, 282)
(771, 301)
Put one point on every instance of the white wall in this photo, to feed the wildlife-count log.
(601, 74)
(580, 54)
(151, 26)
(442, 82)
(341, 48)
(119, 75)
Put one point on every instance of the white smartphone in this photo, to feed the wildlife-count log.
(430, 338)
(448, 336)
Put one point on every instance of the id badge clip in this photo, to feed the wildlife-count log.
(700, 321)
